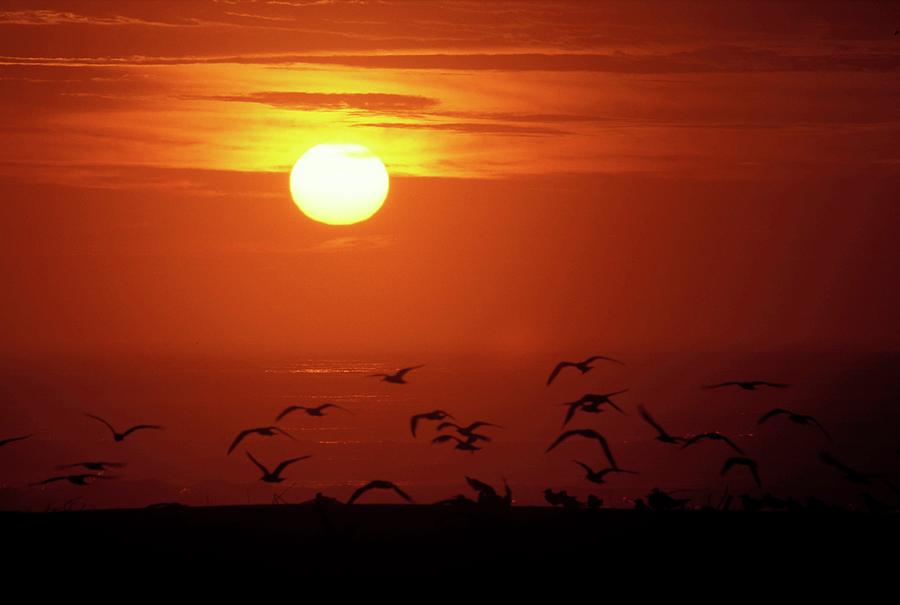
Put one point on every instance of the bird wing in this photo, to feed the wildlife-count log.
(108, 425)
(402, 372)
(596, 357)
(283, 432)
(480, 486)
(14, 439)
(377, 375)
(480, 423)
(325, 406)
(51, 480)
(755, 472)
(573, 407)
(830, 460)
(558, 369)
(445, 438)
(402, 493)
(360, 491)
(414, 422)
(259, 465)
(695, 439)
(777, 385)
(287, 463)
(612, 403)
(772, 413)
(445, 425)
(728, 464)
(649, 420)
(562, 438)
(732, 444)
(141, 427)
(288, 410)
(239, 438)
(606, 450)
(586, 468)
(821, 428)
(721, 384)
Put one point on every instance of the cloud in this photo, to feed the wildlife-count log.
(335, 101)
(469, 127)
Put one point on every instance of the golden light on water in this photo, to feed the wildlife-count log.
(339, 184)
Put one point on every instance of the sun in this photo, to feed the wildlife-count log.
(339, 184)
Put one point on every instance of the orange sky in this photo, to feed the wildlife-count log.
(644, 175)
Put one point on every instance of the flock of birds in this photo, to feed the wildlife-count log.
(467, 438)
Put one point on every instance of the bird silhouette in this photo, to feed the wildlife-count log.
(713, 436)
(378, 484)
(663, 436)
(747, 385)
(93, 466)
(469, 431)
(433, 415)
(14, 439)
(599, 476)
(591, 403)
(121, 436)
(74, 479)
(264, 431)
(317, 411)
(487, 495)
(274, 476)
(850, 474)
(397, 377)
(800, 419)
(750, 463)
(465, 446)
(587, 434)
(582, 366)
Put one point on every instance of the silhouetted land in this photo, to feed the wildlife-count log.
(400, 539)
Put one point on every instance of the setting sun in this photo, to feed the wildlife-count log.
(339, 184)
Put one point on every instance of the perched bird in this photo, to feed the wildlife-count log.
(121, 436)
(591, 403)
(582, 366)
(378, 484)
(663, 436)
(397, 377)
(465, 446)
(469, 431)
(74, 479)
(850, 474)
(713, 436)
(93, 466)
(599, 476)
(434, 415)
(747, 385)
(316, 411)
(800, 419)
(14, 439)
(264, 431)
(487, 495)
(750, 463)
(587, 434)
(274, 476)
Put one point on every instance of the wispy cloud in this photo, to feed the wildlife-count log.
(319, 100)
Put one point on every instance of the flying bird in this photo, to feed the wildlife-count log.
(274, 476)
(74, 479)
(14, 439)
(750, 463)
(663, 436)
(587, 434)
(93, 466)
(800, 419)
(747, 385)
(121, 436)
(378, 484)
(397, 377)
(582, 366)
(713, 436)
(599, 476)
(465, 446)
(850, 474)
(311, 411)
(265, 431)
(591, 403)
(469, 431)
(434, 415)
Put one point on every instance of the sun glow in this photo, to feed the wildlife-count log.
(339, 184)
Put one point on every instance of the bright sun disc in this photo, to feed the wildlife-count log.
(339, 184)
